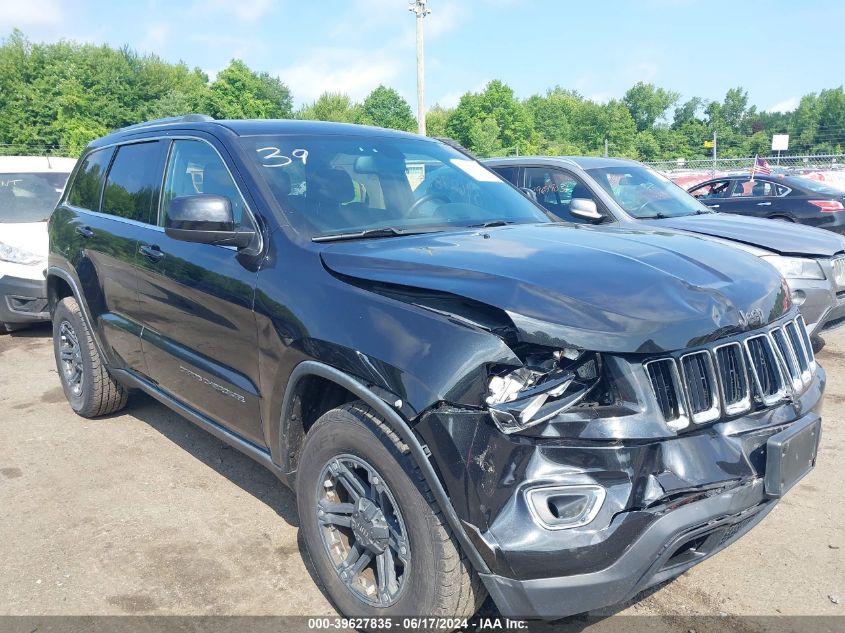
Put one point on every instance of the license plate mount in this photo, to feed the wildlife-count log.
(791, 454)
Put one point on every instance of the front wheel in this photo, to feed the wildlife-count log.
(377, 538)
(89, 387)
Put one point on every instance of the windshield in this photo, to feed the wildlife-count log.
(333, 185)
(643, 193)
(29, 197)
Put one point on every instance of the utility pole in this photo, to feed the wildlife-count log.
(419, 8)
(605, 147)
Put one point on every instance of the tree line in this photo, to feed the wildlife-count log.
(57, 97)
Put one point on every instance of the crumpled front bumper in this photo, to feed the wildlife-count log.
(670, 502)
(671, 544)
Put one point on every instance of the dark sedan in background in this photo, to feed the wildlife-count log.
(598, 190)
(779, 197)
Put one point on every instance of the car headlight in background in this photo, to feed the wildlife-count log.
(18, 255)
(796, 267)
(547, 384)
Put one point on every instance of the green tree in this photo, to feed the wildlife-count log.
(484, 137)
(647, 103)
(553, 115)
(331, 106)
(240, 93)
(496, 102)
(436, 120)
(385, 107)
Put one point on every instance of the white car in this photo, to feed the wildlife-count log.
(30, 186)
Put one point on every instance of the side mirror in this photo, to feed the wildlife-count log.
(529, 193)
(585, 208)
(205, 219)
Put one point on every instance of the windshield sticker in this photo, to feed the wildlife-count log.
(273, 157)
(475, 170)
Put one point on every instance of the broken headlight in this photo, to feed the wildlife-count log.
(548, 383)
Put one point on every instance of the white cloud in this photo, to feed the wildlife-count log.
(155, 38)
(787, 105)
(243, 10)
(445, 18)
(451, 99)
(642, 71)
(600, 97)
(351, 71)
(23, 13)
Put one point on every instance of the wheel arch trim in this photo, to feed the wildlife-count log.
(399, 425)
(55, 271)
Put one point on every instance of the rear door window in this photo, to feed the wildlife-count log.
(134, 182)
(753, 189)
(88, 184)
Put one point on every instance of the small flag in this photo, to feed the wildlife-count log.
(760, 167)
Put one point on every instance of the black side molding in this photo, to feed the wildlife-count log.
(314, 368)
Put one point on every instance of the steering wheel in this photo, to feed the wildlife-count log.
(414, 208)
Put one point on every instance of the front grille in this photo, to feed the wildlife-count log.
(664, 381)
(733, 377)
(727, 379)
(839, 272)
(701, 387)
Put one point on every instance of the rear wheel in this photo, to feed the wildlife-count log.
(374, 532)
(88, 386)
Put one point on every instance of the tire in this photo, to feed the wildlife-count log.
(436, 579)
(88, 386)
(818, 343)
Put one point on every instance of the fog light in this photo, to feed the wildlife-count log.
(798, 297)
(562, 507)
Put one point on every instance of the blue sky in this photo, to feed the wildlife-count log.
(777, 49)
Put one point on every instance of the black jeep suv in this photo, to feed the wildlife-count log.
(467, 396)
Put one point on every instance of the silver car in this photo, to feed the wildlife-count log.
(599, 190)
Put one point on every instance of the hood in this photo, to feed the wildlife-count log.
(783, 238)
(605, 289)
(30, 236)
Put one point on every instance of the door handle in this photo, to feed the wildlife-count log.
(151, 252)
(713, 206)
(85, 231)
(764, 204)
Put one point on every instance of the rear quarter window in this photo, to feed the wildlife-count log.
(87, 186)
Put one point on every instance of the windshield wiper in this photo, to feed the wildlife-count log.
(490, 224)
(387, 231)
(654, 216)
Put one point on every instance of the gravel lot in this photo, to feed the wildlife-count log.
(142, 513)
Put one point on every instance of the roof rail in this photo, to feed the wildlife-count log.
(186, 118)
(455, 145)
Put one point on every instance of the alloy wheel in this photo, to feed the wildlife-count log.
(362, 530)
(70, 354)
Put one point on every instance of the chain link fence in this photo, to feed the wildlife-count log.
(777, 163)
(827, 167)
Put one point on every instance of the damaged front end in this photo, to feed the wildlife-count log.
(545, 386)
(575, 457)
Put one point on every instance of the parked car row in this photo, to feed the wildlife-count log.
(468, 395)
